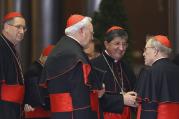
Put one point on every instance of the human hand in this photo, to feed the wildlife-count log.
(130, 99)
(102, 91)
(28, 108)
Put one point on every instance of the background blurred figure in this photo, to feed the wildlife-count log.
(33, 103)
(118, 77)
(94, 48)
(11, 77)
(66, 71)
(158, 85)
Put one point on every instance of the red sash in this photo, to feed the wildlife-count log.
(61, 102)
(165, 111)
(168, 111)
(126, 114)
(12, 93)
(39, 112)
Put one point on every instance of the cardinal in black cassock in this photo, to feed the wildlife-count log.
(158, 84)
(116, 76)
(11, 77)
(66, 74)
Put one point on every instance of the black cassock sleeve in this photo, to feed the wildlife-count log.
(35, 94)
(112, 103)
(96, 78)
(32, 94)
(146, 88)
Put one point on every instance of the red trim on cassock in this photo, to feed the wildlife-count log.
(139, 109)
(86, 71)
(94, 102)
(168, 111)
(126, 114)
(12, 93)
(39, 112)
(43, 85)
(61, 102)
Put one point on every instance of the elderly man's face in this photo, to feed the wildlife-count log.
(116, 48)
(88, 35)
(149, 54)
(16, 30)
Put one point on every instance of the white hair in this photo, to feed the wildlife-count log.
(78, 25)
(162, 48)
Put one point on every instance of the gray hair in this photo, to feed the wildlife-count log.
(159, 46)
(11, 21)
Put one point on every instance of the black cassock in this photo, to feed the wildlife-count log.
(157, 89)
(11, 81)
(112, 102)
(66, 73)
(34, 94)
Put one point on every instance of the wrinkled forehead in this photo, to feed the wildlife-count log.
(19, 21)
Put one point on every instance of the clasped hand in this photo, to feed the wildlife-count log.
(130, 99)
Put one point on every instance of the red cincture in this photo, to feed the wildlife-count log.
(86, 71)
(168, 111)
(165, 111)
(61, 102)
(125, 114)
(12, 93)
(39, 112)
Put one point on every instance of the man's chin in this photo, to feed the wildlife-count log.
(20, 38)
(147, 64)
(117, 58)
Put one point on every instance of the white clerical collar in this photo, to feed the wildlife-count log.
(73, 38)
(110, 56)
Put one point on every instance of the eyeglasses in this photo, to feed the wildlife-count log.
(19, 27)
(147, 47)
(123, 44)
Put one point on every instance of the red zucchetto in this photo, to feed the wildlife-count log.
(74, 19)
(163, 40)
(11, 15)
(114, 28)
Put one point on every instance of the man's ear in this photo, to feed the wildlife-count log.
(81, 30)
(156, 51)
(6, 27)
